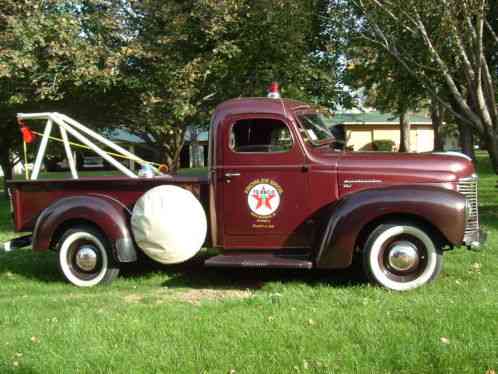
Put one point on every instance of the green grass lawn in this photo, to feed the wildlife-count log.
(187, 319)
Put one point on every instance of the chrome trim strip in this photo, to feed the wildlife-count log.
(362, 181)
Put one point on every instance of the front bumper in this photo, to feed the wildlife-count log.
(474, 237)
(476, 240)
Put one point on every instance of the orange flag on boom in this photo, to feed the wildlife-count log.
(27, 135)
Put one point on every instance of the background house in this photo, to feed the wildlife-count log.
(195, 150)
(132, 142)
(362, 129)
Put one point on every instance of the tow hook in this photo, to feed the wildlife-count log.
(17, 243)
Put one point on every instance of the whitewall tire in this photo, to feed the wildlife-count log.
(401, 256)
(83, 257)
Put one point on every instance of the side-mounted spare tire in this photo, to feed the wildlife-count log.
(169, 224)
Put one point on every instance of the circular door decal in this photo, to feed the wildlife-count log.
(263, 197)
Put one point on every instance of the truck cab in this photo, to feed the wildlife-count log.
(284, 193)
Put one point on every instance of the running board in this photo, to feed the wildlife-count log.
(259, 260)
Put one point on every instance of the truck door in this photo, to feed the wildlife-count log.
(264, 184)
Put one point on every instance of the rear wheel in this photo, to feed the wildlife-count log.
(401, 256)
(84, 259)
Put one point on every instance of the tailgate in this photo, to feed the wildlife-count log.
(23, 209)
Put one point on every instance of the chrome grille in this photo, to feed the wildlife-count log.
(468, 188)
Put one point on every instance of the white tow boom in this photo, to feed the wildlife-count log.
(83, 134)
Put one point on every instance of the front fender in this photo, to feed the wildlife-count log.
(443, 209)
(108, 214)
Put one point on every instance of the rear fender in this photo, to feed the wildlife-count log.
(108, 214)
(443, 209)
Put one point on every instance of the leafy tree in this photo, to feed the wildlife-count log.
(189, 55)
(459, 38)
(386, 83)
(155, 66)
(388, 87)
(53, 55)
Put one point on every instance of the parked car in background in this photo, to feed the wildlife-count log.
(83, 162)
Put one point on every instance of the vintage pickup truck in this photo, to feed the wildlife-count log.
(279, 194)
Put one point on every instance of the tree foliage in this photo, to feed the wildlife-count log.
(186, 56)
(388, 87)
(53, 54)
(156, 66)
(452, 53)
(386, 83)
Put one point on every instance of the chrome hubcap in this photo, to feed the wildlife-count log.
(86, 258)
(403, 256)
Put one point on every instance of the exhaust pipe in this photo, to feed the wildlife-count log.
(17, 243)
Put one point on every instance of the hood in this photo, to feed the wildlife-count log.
(402, 168)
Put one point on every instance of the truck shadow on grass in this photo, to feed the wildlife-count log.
(26, 264)
(193, 274)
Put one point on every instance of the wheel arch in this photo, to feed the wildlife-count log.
(345, 223)
(440, 238)
(110, 217)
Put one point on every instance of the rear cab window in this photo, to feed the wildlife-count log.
(260, 135)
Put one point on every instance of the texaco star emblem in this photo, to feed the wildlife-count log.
(263, 199)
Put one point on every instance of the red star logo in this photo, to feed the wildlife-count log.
(264, 197)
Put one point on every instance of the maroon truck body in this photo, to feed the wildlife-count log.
(326, 202)
(48, 207)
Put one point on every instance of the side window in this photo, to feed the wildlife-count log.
(260, 135)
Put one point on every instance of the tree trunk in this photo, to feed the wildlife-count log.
(169, 158)
(466, 140)
(176, 152)
(194, 146)
(174, 162)
(492, 147)
(404, 126)
(172, 146)
(7, 169)
(437, 114)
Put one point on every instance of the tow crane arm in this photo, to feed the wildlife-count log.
(83, 134)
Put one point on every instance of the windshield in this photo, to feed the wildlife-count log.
(317, 128)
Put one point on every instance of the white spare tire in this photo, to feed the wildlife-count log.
(169, 224)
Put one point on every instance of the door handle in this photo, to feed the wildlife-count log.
(231, 175)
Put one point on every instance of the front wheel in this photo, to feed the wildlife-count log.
(83, 258)
(401, 256)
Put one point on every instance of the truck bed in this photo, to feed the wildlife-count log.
(30, 198)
